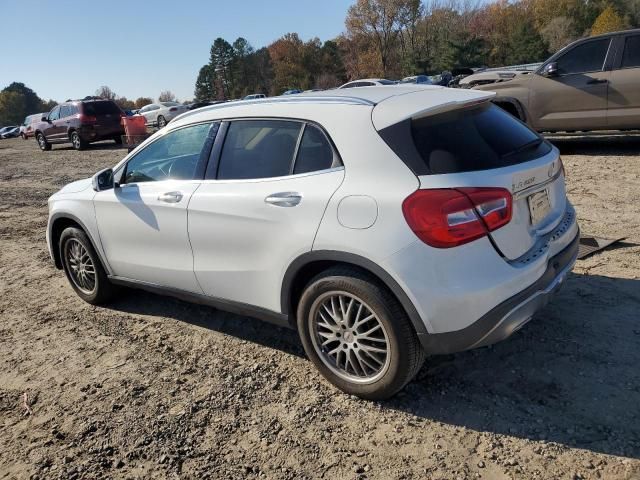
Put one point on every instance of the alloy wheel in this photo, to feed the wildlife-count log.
(75, 140)
(349, 337)
(81, 268)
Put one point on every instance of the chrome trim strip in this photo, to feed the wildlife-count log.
(533, 188)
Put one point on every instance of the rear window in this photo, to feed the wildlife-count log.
(464, 140)
(100, 108)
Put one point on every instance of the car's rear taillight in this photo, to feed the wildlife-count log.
(87, 118)
(446, 218)
(173, 109)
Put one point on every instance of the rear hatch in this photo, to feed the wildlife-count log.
(105, 112)
(477, 149)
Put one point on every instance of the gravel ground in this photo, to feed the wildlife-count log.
(154, 387)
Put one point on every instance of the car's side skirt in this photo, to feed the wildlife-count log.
(238, 308)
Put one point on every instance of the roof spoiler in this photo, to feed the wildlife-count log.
(399, 108)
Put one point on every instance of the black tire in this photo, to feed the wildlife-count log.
(161, 121)
(117, 139)
(102, 290)
(405, 354)
(42, 142)
(77, 141)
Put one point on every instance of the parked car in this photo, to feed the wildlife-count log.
(420, 79)
(10, 132)
(591, 84)
(255, 96)
(159, 114)
(80, 122)
(489, 77)
(368, 82)
(249, 207)
(195, 105)
(292, 92)
(26, 129)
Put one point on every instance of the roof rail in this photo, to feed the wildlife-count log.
(338, 99)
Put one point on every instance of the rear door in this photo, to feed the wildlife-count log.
(575, 98)
(624, 90)
(260, 207)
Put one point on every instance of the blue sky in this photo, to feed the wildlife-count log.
(67, 49)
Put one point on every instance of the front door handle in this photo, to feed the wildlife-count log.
(170, 197)
(595, 81)
(284, 199)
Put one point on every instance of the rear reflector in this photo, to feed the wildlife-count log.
(445, 218)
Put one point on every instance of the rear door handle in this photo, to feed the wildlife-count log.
(284, 199)
(170, 197)
(595, 81)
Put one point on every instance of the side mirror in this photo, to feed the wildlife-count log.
(103, 180)
(550, 69)
(44, 119)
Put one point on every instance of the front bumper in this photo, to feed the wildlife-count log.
(509, 316)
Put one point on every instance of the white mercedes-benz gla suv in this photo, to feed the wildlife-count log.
(384, 224)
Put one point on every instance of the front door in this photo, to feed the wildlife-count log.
(262, 210)
(143, 221)
(576, 97)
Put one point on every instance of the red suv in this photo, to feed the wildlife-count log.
(81, 122)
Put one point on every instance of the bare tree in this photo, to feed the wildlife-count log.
(557, 33)
(166, 96)
(106, 92)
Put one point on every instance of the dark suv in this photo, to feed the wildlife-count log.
(81, 122)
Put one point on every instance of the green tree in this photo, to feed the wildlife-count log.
(221, 60)
(526, 44)
(32, 103)
(204, 90)
(12, 108)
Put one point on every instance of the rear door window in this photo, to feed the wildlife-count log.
(258, 149)
(631, 53)
(587, 57)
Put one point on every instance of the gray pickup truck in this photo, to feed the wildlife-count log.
(591, 84)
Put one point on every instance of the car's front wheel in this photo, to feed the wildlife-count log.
(161, 121)
(357, 334)
(42, 142)
(83, 268)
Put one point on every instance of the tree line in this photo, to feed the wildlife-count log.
(397, 38)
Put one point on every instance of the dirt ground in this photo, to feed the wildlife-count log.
(154, 387)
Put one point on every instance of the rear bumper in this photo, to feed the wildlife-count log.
(90, 133)
(510, 315)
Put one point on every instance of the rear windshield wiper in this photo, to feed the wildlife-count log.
(522, 148)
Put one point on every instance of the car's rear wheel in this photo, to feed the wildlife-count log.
(77, 141)
(357, 334)
(83, 268)
(117, 139)
(42, 142)
(161, 121)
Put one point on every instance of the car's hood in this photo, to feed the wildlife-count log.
(75, 187)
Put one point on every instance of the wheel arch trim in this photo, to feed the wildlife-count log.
(356, 260)
(54, 252)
